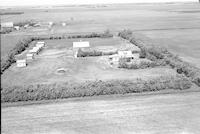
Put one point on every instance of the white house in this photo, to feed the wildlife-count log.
(41, 42)
(16, 28)
(29, 56)
(7, 24)
(21, 63)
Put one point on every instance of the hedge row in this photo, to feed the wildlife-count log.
(24, 43)
(10, 58)
(154, 53)
(141, 65)
(92, 88)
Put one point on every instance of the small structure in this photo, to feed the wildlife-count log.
(114, 58)
(21, 63)
(16, 28)
(26, 26)
(7, 24)
(77, 45)
(35, 50)
(136, 55)
(125, 54)
(63, 24)
(29, 56)
(50, 23)
(81, 44)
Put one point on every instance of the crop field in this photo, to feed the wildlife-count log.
(58, 54)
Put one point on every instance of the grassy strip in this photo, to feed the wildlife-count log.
(155, 53)
(24, 43)
(92, 88)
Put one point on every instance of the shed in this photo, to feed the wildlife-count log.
(40, 45)
(7, 24)
(41, 42)
(81, 44)
(125, 54)
(136, 55)
(26, 26)
(114, 58)
(63, 24)
(34, 50)
(29, 56)
(16, 28)
(21, 63)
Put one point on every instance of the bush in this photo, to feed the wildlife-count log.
(91, 88)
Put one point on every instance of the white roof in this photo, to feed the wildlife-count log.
(21, 61)
(40, 42)
(114, 55)
(125, 54)
(81, 44)
(7, 24)
(39, 45)
(29, 54)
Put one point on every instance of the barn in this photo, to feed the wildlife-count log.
(80, 44)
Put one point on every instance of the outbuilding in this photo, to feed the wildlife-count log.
(29, 56)
(7, 24)
(114, 58)
(80, 44)
(63, 24)
(21, 63)
(125, 54)
(16, 28)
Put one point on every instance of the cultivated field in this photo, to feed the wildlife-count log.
(144, 114)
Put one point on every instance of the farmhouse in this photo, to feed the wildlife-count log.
(7, 24)
(21, 63)
(77, 45)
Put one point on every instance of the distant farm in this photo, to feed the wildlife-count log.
(99, 51)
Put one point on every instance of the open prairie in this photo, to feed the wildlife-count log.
(176, 26)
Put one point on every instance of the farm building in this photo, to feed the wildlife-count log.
(41, 42)
(29, 56)
(16, 28)
(77, 45)
(114, 58)
(136, 55)
(7, 24)
(26, 26)
(81, 44)
(34, 50)
(125, 54)
(63, 24)
(21, 63)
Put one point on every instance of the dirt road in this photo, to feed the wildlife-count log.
(164, 113)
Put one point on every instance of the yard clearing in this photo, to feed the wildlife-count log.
(58, 54)
(147, 114)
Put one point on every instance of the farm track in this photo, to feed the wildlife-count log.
(161, 113)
